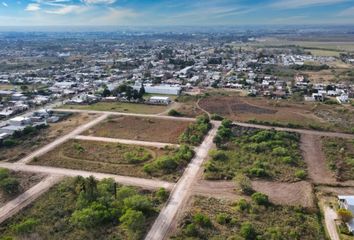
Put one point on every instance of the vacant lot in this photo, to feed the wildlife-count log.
(139, 128)
(24, 180)
(81, 208)
(339, 157)
(120, 107)
(28, 144)
(281, 112)
(211, 218)
(259, 154)
(112, 158)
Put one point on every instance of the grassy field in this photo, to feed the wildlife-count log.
(339, 154)
(28, 144)
(111, 158)
(17, 181)
(259, 154)
(119, 107)
(324, 53)
(211, 218)
(80, 208)
(140, 128)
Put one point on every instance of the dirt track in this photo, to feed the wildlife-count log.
(330, 215)
(181, 191)
(315, 160)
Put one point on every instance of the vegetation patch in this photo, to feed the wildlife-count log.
(196, 131)
(80, 208)
(115, 158)
(211, 218)
(259, 154)
(339, 154)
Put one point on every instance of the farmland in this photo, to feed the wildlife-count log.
(14, 183)
(115, 158)
(339, 157)
(79, 208)
(140, 128)
(120, 107)
(247, 219)
(259, 154)
(37, 139)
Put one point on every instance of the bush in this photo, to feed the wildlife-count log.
(301, 174)
(223, 218)
(10, 185)
(25, 227)
(4, 173)
(162, 194)
(202, 220)
(247, 231)
(92, 216)
(216, 117)
(174, 113)
(191, 230)
(9, 142)
(243, 183)
(345, 214)
(138, 202)
(133, 221)
(243, 205)
(260, 198)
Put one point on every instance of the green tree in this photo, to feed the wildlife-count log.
(243, 183)
(133, 221)
(247, 231)
(260, 198)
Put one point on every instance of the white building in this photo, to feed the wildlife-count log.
(347, 202)
(160, 100)
(159, 89)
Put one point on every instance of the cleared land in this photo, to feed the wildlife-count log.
(30, 143)
(80, 208)
(211, 218)
(114, 158)
(281, 113)
(259, 154)
(140, 128)
(25, 181)
(119, 107)
(339, 155)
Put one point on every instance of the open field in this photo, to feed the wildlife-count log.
(324, 53)
(259, 154)
(79, 208)
(211, 218)
(119, 107)
(28, 144)
(283, 112)
(140, 128)
(114, 158)
(25, 181)
(339, 154)
(188, 107)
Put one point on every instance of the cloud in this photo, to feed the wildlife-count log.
(32, 7)
(292, 4)
(66, 9)
(98, 1)
(347, 12)
(4, 4)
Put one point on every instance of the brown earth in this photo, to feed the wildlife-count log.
(140, 128)
(45, 136)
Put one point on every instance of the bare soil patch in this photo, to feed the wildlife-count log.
(44, 136)
(26, 180)
(140, 128)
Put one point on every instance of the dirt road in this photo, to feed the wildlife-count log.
(330, 215)
(125, 141)
(61, 140)
(316, 161)
(140, 182)
(15, 205)
(181, 191)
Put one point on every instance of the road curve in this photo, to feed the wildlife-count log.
(125, 141)
(14, 206)
(181, 191)
(133, 181)
(330, 215)
(61, 140)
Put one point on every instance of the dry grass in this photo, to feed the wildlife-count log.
(104, 157)
(139, 128)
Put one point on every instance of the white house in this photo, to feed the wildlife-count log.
(159, 100)
(347, 202)
(159, 89)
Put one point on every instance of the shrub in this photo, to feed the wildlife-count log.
(9, 142)
(25, 226)
(174, 113)
(216, 117)
(243, 205)
(10, 185)
(345, 214)
(223, 218)
(247, 231)
(202, 220)
(257, 172)
(92, 216)
(133, 221)
(4, 173)
(260, 198)
(243, 183)
(191, 230)
(138, 202)
(162, 194)
(301, 174)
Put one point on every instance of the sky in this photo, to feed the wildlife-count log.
(174, 12)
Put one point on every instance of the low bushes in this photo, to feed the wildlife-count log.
(196, 131)
(8, 184)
